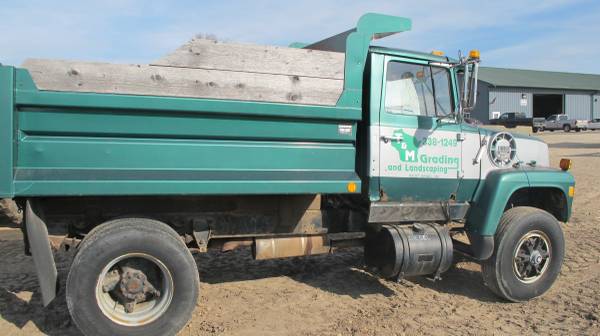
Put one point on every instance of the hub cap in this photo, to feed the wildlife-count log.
(134, 289)
(532, 256)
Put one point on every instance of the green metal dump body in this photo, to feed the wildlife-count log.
(72, 143)
(57, 143)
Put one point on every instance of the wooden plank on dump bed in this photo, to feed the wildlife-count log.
(58, 75)
(210, 54)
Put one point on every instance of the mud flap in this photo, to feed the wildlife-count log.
(39, 245)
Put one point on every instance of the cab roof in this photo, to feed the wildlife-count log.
(412, 54)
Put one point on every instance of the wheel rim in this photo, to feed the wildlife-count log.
(134, 289)
(532, 256)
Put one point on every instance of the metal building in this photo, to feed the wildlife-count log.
(536, 93)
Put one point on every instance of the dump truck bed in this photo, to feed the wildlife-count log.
(209, 118)
(74, 143)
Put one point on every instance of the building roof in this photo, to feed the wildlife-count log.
(539, 79)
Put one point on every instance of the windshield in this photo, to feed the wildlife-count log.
(415, 89)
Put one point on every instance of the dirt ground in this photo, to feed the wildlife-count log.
(333, 295)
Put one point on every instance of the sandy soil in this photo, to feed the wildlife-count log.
(333, 295)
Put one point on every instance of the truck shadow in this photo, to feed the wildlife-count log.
(341, 273)
(51, 320)
(463, 278)
(20, 300)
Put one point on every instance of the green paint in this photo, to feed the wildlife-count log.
(147, 124)
(179, 187)
(100, 152)
(357, 48)
(493, 194)
(428, 189)
(413, 55)
(552, 178)
(7, 128)
(119, 135)
(408, 148)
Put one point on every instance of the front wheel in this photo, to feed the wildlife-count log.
(132, 276)
(528, 254)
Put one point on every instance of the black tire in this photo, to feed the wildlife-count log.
(535, 129)
(120, 237)
(567, 128)
(499, 271)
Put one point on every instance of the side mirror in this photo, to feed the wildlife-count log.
(470, 67)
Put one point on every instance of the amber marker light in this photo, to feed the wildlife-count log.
(571, 191)
(351, 187)
(437, 53)
(565, 164)
(474, 54)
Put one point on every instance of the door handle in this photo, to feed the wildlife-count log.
(387, 139)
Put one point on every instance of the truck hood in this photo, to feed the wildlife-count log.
(530, 149)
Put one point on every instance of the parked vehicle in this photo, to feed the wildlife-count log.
(593, 124)
(512, 120)
(559, 122)
(538, 124)
(134, 166)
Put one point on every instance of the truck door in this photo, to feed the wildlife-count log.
(419, 139)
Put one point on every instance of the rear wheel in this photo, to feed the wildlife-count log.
(528, 254)
(132, 277)
(567, 128)
(535, 129)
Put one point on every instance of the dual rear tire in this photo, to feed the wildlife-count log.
(129, 260)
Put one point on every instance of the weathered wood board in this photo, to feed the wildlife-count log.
(215, 55)
(58, 75)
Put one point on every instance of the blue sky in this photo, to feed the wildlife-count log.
(559, 35)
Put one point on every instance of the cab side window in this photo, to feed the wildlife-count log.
(442, 91)
(408, 90)
(419, 90)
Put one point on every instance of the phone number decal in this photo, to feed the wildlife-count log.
(444, 142)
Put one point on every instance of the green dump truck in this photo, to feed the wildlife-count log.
(290, 151)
